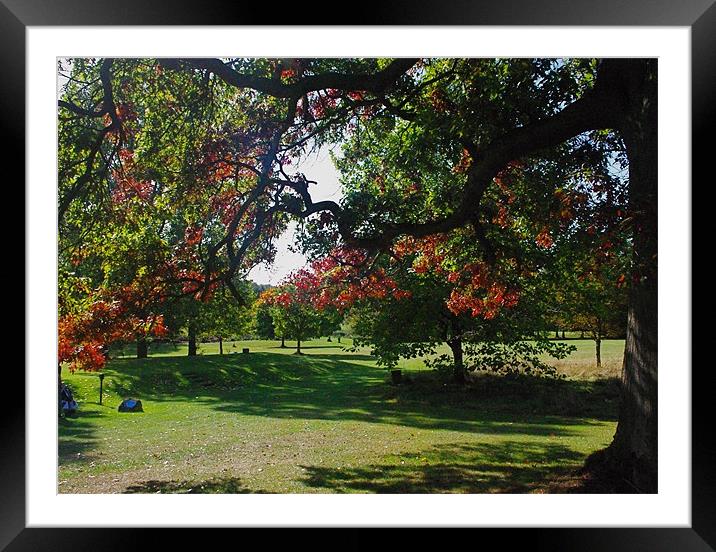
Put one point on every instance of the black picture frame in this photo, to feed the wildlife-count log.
(699, 15)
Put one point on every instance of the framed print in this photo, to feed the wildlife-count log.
(643, 51)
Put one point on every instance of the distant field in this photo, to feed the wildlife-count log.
(582, 363)
(327, 421)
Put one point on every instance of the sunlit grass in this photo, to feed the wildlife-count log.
(328, 421)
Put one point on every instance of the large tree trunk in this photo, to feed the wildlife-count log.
(633, 452)
(598, 347)
(142, 347)
(298, 347)
(221, 345)
(458, 371)
(454, 341)
(283, 342)
(192, 339)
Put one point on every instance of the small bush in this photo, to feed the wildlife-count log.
(519, 357)
(506, 359)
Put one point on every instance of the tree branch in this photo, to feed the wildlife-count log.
(108, 108)
(375, 83)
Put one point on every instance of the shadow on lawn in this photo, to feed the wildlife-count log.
(78, 435)
(354, 392)
(222, 485)
(289, 346)
(327, 387)
(348, 358)
(342, 387)
(510, 467)
(320, 387)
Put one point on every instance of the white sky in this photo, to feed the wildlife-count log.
(317, 167)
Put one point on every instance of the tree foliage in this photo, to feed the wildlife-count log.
(294, 313)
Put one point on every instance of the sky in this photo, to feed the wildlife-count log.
(318, 167)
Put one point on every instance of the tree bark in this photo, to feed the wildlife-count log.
(598, 347)
(192, 339)
(633, 452)
(221, 345)
(142, 347)
(283, 342)
(458, 373)
(298, 347)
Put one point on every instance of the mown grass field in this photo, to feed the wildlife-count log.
(327, 421)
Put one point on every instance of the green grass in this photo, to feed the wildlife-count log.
(327, 421)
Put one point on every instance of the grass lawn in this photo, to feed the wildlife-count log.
(327, 421)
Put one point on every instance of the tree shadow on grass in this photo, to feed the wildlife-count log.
(291, 346)
(510, 467)
(220, 485)
(129, 350)
(344, 391)
(77, 436)
(319, 387)
(348, 358)
(319, 347)
(323, 387)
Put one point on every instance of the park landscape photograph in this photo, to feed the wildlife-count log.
(357, 275)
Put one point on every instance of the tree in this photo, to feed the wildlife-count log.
(425, 311)
(264, 323)
(223, 316)
(329, 322)
(597, 303)
(151, 246)
(218, 315)
(586, 282)
(630, 85)
(451, 131)
(292, 318)
(411, 325)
